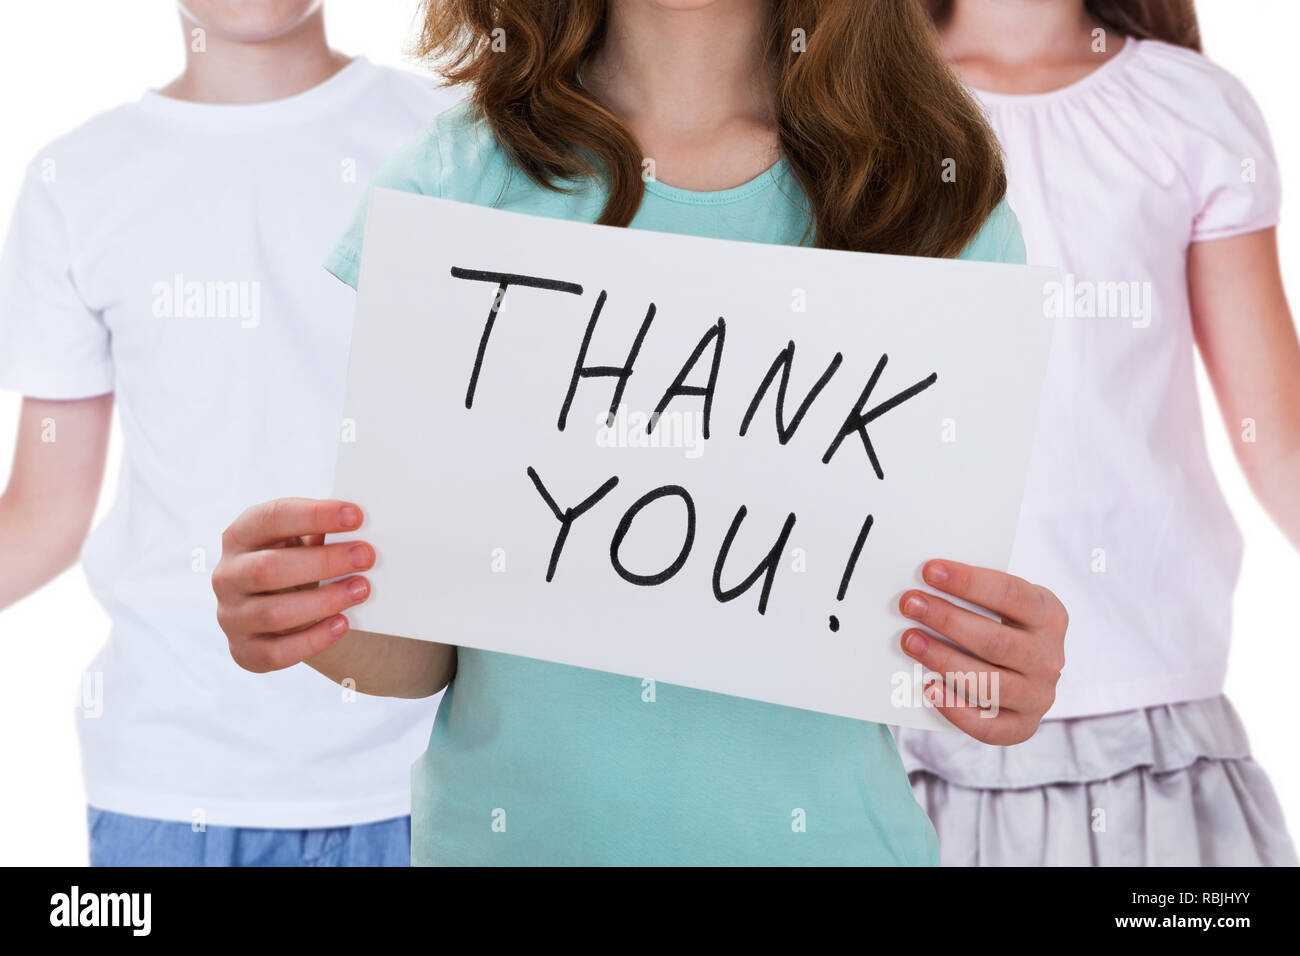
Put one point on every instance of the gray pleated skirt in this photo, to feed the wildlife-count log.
(1173, 785)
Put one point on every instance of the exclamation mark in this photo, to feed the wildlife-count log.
(848, 568)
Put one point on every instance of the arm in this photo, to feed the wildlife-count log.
(1248, 343)
(386, 666)
(47, 507)
(276, 614)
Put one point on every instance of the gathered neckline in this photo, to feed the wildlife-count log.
(1084, 82)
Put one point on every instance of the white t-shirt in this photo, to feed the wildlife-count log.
(170, 252)
(1112, 178)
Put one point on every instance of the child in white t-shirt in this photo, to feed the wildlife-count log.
(164, 258)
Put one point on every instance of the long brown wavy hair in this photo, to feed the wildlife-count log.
(868, 114)
(1173, 21)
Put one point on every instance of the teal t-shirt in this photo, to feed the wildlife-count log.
(538, 763)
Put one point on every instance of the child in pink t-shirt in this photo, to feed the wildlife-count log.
(1144, 172)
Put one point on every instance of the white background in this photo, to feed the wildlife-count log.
(63, 60)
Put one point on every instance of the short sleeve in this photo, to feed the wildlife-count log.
(52, 345)
(416, 168)
(1233, 171)
(999, 239)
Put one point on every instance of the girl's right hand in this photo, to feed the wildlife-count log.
(269, 599)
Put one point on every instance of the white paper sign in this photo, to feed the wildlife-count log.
(506, 515)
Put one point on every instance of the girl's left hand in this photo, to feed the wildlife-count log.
(1013, 664)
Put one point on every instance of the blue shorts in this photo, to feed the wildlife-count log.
(120, 840)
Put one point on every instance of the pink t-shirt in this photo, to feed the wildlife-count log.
(1112, 177)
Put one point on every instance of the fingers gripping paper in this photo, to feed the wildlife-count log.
(711, 463)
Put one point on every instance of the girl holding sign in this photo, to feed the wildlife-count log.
(1145, 173)
(782, 122)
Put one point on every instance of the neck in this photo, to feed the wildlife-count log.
(1017, 30)
(683, 68)
(235, 71)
